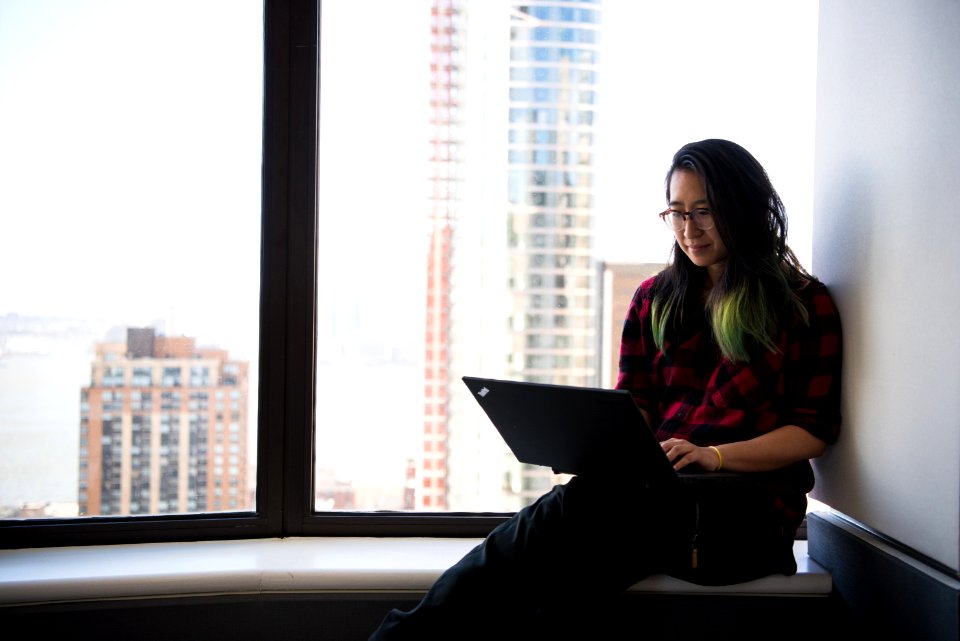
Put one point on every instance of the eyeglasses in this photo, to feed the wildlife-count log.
(677, 220)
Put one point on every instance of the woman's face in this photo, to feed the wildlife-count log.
(704, 248)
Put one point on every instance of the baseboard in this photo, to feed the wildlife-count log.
(883, 590)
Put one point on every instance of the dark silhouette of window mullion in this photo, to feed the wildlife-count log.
(299, 238)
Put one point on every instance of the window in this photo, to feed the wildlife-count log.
(319, 313)
(153, 223)
(506, 281)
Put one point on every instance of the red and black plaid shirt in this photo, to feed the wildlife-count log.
(691, 392)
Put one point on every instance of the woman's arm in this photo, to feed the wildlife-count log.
(770, 451)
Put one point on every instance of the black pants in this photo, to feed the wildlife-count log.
(585, 542)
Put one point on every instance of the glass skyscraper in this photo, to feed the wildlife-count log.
(553, 279)
(511, 280)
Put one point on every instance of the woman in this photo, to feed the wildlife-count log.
(733, 354)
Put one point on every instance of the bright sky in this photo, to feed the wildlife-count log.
(676, 72)
(670, 73)
(151, 154)
(130, 161)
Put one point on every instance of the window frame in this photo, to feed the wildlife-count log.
(288, 276)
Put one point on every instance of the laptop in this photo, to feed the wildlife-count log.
(574, 430)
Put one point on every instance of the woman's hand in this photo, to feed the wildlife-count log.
(683, 453)
(770, 451)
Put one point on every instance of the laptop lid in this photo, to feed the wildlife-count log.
(573, 430)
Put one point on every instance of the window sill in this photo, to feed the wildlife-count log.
(355, 565)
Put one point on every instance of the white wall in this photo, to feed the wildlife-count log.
(886, 240)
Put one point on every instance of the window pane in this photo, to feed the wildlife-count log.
(130, 204)
(487, 206)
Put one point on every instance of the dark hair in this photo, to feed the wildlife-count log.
(761, 273)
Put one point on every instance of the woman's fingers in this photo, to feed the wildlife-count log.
(682, 453)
